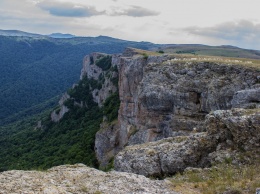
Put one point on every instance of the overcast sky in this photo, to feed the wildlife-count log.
(211, 22)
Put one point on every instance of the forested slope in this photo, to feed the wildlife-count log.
(34, 70)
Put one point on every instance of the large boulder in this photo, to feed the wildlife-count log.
(229, 131)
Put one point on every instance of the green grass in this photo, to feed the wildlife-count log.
(224, 177)
(223, 51)
(186, 58)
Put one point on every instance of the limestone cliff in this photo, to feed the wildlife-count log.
(165, 96)
(98, 68)
(231, 135)
(187, 104)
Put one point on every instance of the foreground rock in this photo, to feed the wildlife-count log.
(230, 136)
(78, 179)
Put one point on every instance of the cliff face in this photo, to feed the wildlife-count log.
(166, 96)
(163, 96)
(188, 105)
(231, 135)
(98, 68)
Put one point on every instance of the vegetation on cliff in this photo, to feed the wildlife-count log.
(69, 141)
(219, 179)
(34, 70)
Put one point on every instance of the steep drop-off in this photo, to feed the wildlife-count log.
(168, 96)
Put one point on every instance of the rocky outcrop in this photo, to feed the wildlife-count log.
(78, 179)
(106, 143)
(104, 77)
(164, 96)
(247, 98)
(92, 70)
(57, 114)
(229, 134)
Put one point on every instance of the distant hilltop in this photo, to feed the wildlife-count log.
(60, 35)
(27, 34)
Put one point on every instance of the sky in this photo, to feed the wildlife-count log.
(210, 22)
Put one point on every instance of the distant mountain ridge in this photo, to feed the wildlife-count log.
(61, 35)
(18, 33)
(28, 34)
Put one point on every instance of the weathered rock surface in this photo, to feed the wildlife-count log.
(57, 115)
(246, 98)
(92, 71)
(163, 96)
(78, 179)
(106, 143)
(227, 133)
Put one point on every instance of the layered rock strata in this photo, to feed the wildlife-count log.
(165, 96)
(101, 74)
(229, 135)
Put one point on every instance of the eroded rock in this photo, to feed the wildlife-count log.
(78, 179)
(228, 132)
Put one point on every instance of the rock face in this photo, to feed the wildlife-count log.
(78, 179)
(106, 143)
(57, 115)
(226, 130)
(247, 98)
(97, 73)
(93, 71)
(164, 96)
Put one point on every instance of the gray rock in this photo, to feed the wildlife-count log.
(186, 91)
(79, 179)
(106, 143)
(246, 98)
(239, 127)
(56, 116)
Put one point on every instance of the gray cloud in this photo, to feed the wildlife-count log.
(243, 33)
(135, 11)
(68, 9)
(229, 31)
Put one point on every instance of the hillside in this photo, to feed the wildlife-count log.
(69, 139)
(37, 69)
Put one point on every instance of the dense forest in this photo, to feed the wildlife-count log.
(36, 69)
(23, 145)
